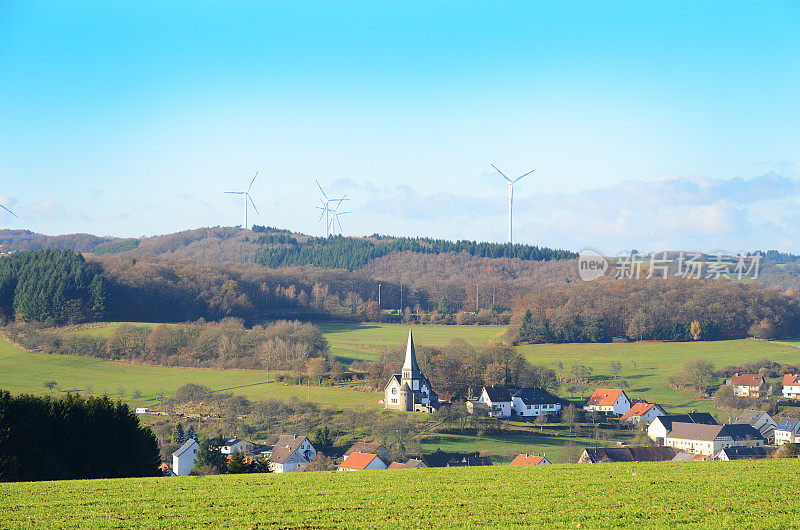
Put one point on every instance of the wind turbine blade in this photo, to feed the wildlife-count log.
(236, 192)
(501, 173)
(525, 175)
(9, 211)
(320, 189)
(251, 202)
(340, 224)
(322, 214)
(251, 183)
(339, 203)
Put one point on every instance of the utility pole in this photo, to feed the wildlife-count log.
(476, 298)
(492, 295)
(401, 298)
(379, 296)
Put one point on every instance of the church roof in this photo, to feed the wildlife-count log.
(411, 356)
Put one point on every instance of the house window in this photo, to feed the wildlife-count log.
(394, 390)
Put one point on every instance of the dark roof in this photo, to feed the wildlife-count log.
(414, 463)
(535, 396)
(630, 454)
(693, 417)
(396, 377)
(788, 424)
(186, 445)
(368, 447)
(441, 458)
(285, 446)
(498, 393)
(741, 431)
(470, 461)
(736, 452)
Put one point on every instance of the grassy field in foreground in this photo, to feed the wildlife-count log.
(22, 371)
(669, 494)
(655, 362)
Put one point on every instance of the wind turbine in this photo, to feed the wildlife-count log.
(247, 197)
(511, 198)
(326, 209)
(336, 213)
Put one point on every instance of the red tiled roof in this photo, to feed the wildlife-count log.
(604, 397)
(358, 460)
(639, 409)
(527, 460)
(396, 465)
(791, 379)
(747, 380)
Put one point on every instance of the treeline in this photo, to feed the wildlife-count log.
(282, 345)
(664, 309)
(339, 252)
(72, 438)
(51, 285)
(116, 246)
(460, 370)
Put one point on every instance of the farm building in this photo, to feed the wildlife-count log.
(362, 462)
(598, 455)
(759, 420)
(748, 385)
(609, 400)
(791, 386)
(413, 463)
(661, 425)
(711, 439)
(410, 390)
(529, 460)
(290, 453)
(642, 413)
(183, 459)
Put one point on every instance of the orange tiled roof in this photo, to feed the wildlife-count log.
(358, 460)
(527, 460)
(396, 465)
(791, 379)
(639, 409)
(747, 380)
(604, 397)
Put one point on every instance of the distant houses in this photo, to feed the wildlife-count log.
(787, 430)
(791, 386)
(235, 444)
(291, 453)
(532, 402)
(529, 460)
(368, 447)
(739, 453)
(761, 421)
(643, 413)
(711, 439)
(357, 461)
(609, 400)
(662, 425)
(184, 458)
(748, 385)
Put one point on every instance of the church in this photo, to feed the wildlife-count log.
(411, 390)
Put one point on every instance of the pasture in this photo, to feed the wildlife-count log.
(666, 494)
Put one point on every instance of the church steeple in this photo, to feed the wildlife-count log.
(410, 366)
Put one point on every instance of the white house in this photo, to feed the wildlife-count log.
(183, 459)
(711, 439)
(610, 400)
(235, 444)
(362, 462)
(533, 402)
(661, 425)
(498, 401)
(748, 385)
(787, 430)
(791, 386)
(290, 452)
(142, 410)
(643, 413)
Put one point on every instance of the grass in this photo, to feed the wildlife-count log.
(665, 495)
(22, 371)
(656, 362)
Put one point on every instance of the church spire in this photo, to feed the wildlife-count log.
(410, 367)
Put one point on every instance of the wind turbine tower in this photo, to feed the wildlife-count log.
(247, 197)
(511, 199)
(330, 214)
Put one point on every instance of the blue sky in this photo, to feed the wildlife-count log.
(651, 125)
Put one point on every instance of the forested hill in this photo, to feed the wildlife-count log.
(272, 247)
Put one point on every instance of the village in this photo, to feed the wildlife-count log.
(686, 437)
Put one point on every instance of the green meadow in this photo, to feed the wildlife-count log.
(662, 495)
